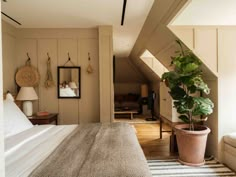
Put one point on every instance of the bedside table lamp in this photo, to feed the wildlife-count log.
(27, 95)
(73, 86)
(144, 93)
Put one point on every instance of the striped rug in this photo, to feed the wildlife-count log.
(171, 167)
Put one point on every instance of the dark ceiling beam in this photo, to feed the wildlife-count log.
(123, 12)
(11, 18)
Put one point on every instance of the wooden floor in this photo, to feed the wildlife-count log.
(149, 139)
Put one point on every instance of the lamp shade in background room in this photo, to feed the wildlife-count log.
(72, 85)
(144, 90)
(27, 95)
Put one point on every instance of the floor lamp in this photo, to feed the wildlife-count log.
(151, 100)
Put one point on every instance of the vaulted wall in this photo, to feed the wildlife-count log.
(215, 46)
(159, 39)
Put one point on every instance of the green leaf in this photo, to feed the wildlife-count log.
(200, 85)
(172, 79)
(190, 67)
(181, 107)
(177, 93)
(202, 106)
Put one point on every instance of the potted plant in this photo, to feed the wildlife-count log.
(186, 88)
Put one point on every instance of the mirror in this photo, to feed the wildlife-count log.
(68, 82)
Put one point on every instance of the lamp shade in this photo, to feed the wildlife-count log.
(144, 90)
(72, 85)
(27, 93)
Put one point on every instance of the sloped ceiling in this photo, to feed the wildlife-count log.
(213, 12)
(156, 37)
(126, 72)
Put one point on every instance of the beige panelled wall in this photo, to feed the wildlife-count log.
(9, 57)
(216, 47)
(197, 38)
(89, 107)
(203, 41)
(226, 82)
(24, 46)
(57, 43)
(106, 74)
(47, 95)
(69, 114)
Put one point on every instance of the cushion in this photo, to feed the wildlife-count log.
(230, 139)
(14, 119)
(230, 149)
(130, 105)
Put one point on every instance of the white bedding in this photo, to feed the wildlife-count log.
(26, 150)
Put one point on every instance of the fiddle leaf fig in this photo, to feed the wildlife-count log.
(184, 82)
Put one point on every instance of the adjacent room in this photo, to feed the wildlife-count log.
(115, 88)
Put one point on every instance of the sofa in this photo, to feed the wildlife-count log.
(230, 150)
(128, 102)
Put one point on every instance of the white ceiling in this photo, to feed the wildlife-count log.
(83, 14)
(207, 12)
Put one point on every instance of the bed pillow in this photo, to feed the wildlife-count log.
(14, 119)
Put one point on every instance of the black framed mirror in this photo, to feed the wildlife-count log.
(68, 82)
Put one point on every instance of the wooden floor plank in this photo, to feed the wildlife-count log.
(149, 139)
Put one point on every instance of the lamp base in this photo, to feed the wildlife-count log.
(28, 108)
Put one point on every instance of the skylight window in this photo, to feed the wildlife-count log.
(152, 62)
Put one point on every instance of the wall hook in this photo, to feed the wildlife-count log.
(69, 60)
(48, 56)
(28, 61)
(28, 56)
(89, 56)
(89, 68)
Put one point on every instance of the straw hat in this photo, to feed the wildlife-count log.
(27, 76)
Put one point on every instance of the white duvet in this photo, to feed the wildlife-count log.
(26, 150)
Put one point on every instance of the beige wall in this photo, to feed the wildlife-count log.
(106, 86)
(58, 42)
(126, 72)
(203, 42)
(9, 57)
(128, 78)
(216, 47)
(226, 82)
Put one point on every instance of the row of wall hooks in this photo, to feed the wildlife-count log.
(89, 67)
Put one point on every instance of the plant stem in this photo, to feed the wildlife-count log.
(191, 126)
(182, 50)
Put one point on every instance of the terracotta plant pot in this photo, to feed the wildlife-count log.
(191, 144)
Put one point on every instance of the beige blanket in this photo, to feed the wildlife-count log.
(96, 150)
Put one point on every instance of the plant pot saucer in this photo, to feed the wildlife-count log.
(191, 164)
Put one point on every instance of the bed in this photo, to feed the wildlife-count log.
(88, 150)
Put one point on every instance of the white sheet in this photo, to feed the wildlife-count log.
(26, 150)
(64, 92)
